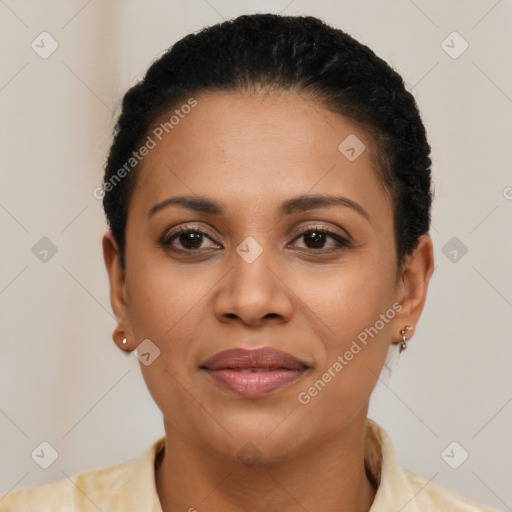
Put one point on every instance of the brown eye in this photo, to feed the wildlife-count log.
(316, 239)
(187, 240)
(190, 240)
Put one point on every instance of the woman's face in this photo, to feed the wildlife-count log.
(248, 277)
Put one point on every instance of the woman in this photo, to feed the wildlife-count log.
(268, 194)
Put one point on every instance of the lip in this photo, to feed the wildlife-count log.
(256, 372)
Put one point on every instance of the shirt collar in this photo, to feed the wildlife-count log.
(141, 486)
(394, 490)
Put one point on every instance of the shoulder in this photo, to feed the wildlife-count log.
(129, 486)
(82, 492)
(398, 488)
(431, 496)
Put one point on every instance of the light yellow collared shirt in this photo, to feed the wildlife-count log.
(130, 486)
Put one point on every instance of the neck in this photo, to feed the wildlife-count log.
(328, 476)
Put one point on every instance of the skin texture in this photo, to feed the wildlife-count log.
(251, 152)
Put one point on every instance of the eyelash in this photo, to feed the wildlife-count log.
(166, 241)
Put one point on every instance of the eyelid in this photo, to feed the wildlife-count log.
(323, 228)
(191, 227)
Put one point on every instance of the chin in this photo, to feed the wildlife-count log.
(256, 438)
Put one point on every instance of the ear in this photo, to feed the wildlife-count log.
(118, 296)
(412, 286)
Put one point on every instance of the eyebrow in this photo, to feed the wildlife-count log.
(290, 206)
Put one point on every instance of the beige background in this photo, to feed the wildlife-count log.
(62, 379)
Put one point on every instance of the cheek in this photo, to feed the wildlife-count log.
(166, 307)
(170, 306)
(350, 297)
(163, 298)
(353, 318)
(170, 311)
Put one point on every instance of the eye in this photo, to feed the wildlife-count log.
(187, 239)
(192, 239)
(316, 239)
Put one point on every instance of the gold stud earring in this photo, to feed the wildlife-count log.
(116, 334)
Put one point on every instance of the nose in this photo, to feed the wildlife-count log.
(254, 293)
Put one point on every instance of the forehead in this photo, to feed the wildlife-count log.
(257, 147)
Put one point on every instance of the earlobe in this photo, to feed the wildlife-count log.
(121, 341)
(412, 288)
